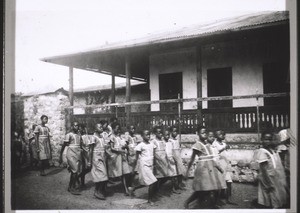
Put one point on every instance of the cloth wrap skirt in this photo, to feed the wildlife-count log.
(74, 158)
(44, 146)
(205, 176)
(178, 161)
(118, 165)
(160, 164)
(98, 171)
(131, 158)
(85, 157)
(146, 176)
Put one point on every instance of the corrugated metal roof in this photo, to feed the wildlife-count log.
(106, 87)
(230, 24)
(43, 91)
(46, 90)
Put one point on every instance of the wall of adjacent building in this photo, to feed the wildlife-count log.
(138, 93)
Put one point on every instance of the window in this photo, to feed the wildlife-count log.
(276, 80)
(219, 83)
(170, 85)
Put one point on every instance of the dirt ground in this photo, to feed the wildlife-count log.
(31, 191)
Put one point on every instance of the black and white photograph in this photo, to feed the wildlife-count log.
(151, 105)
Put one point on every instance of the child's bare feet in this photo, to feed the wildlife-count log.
(151, 203)
(181, 188)
(231, 203)
(131, 191)
(158, 194)
(99, 195)
(175, 191)
(42, 173)
(186, 205)
(74, 191)
(182, 185)
(220, 203)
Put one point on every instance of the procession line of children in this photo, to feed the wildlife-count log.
(108, 155)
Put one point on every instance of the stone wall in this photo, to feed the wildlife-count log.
(53, 105)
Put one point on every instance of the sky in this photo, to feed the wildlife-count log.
(53, 27)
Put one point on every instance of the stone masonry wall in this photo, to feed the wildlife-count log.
(53, 105)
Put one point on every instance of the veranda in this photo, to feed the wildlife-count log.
(232, 120)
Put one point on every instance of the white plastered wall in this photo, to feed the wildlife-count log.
(184, 61)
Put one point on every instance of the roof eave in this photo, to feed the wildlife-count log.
(52, 59)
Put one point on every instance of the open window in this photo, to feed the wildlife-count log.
(219, 83)
(276, 80)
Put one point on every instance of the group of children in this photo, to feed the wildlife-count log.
(108, 154)
(155, 157)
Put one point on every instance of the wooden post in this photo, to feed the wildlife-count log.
(179, 119)
(71, 97)
(71, 86)
(128, 88)
(199, 84)
(258, 119)
(113, 91)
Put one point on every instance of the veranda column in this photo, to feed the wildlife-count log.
(128, 88)
(199, 84)
(71, 98)
(113, 91)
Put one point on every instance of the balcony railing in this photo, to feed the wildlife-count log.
(229, 119)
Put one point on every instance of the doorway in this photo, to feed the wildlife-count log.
(219, 83)
(276, 80)
(170, 85)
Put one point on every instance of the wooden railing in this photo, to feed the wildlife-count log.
(231, 120)
(244, 119)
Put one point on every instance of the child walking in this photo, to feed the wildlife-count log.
(42, 138)
(99, 172)
(284, 152)
(74, 158)
(221, 146)
(34, 160)
(160, 159)
(177, 157)
(117, 162)
(271, 178)
(145, 154)
(220, 176)
(172, 171)
(205, 179)
(86, 154)
(132, 142)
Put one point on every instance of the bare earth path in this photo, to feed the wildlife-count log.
(31, 191)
